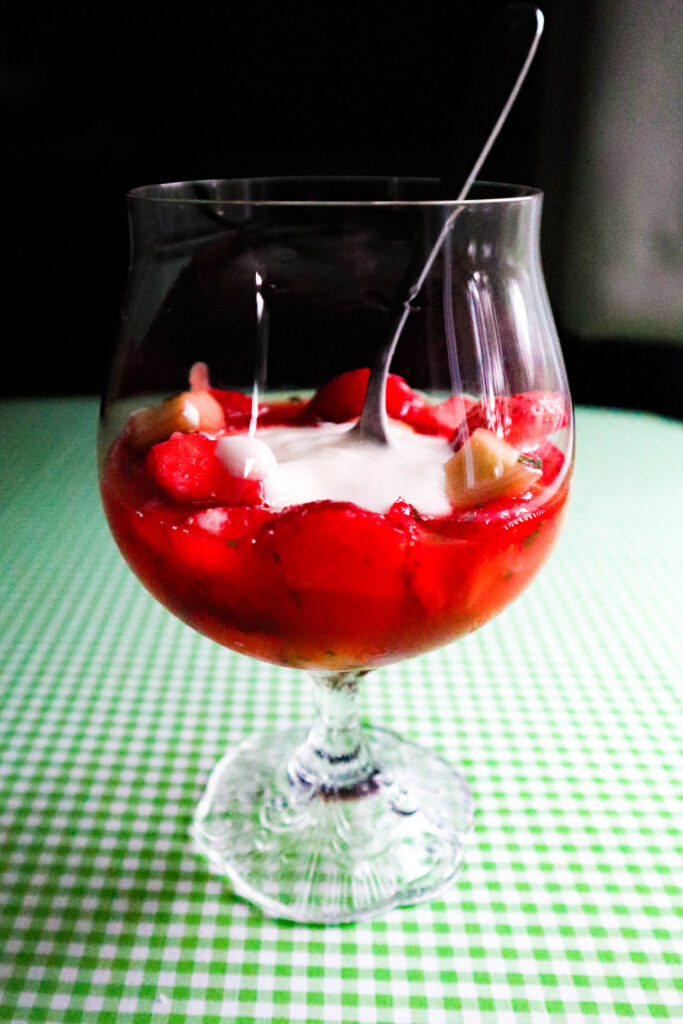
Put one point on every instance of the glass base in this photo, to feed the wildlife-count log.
(310, 853)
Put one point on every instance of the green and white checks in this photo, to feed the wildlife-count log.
(564, 714)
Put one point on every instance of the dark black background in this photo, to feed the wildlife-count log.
(96, 100)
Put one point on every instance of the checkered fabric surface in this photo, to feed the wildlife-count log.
(564, 714)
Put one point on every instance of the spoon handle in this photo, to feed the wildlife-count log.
(519, 17)
(525, 22)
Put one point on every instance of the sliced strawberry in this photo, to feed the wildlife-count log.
(329, 578)
(233, 524)
(213, 542)
(551, 457)
(336, 546)
(236, 407)
(342, 398)
(402, 512)
(279, 414)
(402, 402)
(516, 418)
(443, 418)
(186, 469)
(441, 570)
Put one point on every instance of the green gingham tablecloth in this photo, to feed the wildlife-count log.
(564, 714)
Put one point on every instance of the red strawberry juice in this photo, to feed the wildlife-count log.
(327, 584)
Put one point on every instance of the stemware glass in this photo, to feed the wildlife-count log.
(239, 494)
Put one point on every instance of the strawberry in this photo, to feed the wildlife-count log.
(516, 418)
(443, 418)
(336, 546)
(402, 402)
(236, 407)
(329, 579)
(342, 398)
(338, 400)
(229, 523)
(212, 542)
(185, 468)
(280, 413)
(237, 410)
(551, 457)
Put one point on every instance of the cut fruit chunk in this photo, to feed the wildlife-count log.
(487, 467)
(342, 398)
(336, 546)
(442, 418)
(199, 377)
(236, 406)
(516, 418)
(188, 413)
(250, 459)
(230, 523)
(187, 469)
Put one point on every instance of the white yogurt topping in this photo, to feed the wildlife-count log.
(246, 457)
(314, 463)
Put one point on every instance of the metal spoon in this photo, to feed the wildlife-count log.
(523, 25)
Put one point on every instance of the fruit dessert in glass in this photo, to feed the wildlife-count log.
(301, 546)
(248, 503)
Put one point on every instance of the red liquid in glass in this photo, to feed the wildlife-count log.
(330, 585)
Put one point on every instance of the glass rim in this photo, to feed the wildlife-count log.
(155, 193)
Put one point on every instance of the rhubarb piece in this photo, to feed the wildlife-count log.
(187, 413)
(186, 469)
(199, 377)
(516, 418)
(487, 467)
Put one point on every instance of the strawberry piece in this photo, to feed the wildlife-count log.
(402, 402)
(236, 407)
(280, 414)
(212, 543)
(516, 418)
(443, 418)
(232, 524)
(441, 571)
(329, 578)
(336, 546)
(186, 469)
(342, 398)
(402, 512)
(405, 515)
(552, 458)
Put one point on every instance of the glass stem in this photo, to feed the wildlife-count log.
(334, 760)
